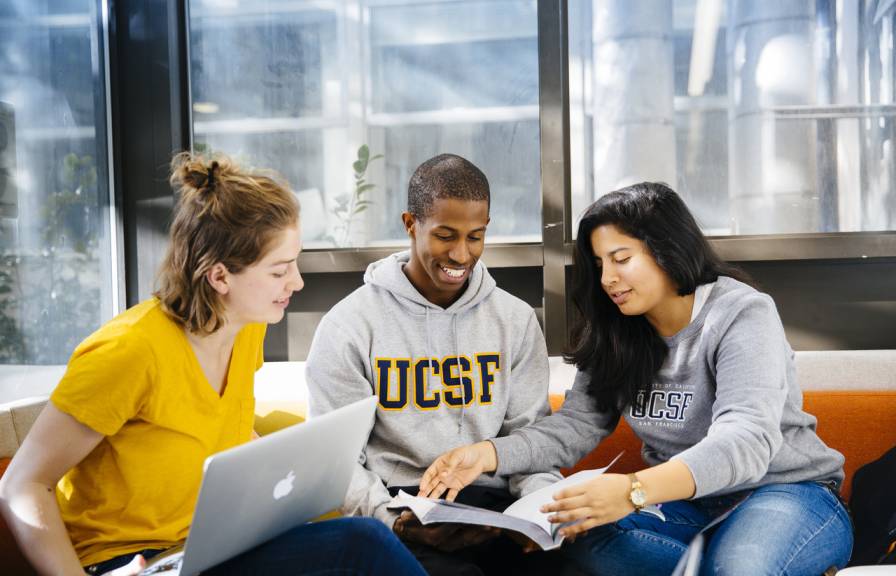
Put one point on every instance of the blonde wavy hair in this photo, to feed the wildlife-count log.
(223, 214)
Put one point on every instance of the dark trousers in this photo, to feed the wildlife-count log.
(498, 556)
(346, 546)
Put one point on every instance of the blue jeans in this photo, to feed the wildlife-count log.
(792, 529)
(345, 546)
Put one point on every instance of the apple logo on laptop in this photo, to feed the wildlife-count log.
(284, 486)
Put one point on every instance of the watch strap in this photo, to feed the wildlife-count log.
(636, 488)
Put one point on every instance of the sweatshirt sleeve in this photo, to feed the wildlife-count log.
(335, 376)
(529, 376)
(558, 440)
(368, 496)
(751, 389)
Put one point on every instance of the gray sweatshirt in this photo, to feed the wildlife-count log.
(726, 403)
(386, 339)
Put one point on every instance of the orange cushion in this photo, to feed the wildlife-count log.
(861, 424)
(622, 440)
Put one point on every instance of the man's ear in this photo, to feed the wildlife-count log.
(409, 223)
(218, 278)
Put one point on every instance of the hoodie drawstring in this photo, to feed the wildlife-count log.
(428, 349)
(460, 372)
(463, 406)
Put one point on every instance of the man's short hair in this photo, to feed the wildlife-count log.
(445, 176)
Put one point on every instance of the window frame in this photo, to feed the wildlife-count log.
(140, 172)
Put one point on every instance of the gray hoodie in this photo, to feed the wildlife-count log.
(386, 339)
(725, 402)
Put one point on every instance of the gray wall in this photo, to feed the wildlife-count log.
(832, 305)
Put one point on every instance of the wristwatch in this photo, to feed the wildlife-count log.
(637, 496)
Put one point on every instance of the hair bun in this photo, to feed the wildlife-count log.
(210, 176)
(195, 173)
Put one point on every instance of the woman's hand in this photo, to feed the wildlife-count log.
(131, 569)
(456, 469)
(594, 503)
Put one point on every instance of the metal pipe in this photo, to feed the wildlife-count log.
(634, 89)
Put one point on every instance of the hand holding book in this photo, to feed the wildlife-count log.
(525, 516)
(445, 537)
(600, 500)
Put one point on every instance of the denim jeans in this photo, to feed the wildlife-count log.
(794, 529)
(345, 546)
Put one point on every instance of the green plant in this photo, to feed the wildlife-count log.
(12, 346)
(69, 214)
(350, 205)
(57, 288)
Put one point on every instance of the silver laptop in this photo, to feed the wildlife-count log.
(689, 563)
(256, 491)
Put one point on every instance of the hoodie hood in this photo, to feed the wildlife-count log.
(388, 274)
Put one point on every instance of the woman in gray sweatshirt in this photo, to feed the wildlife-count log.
(696, 361)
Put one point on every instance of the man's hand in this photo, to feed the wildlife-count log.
(593, 503)
(456, 469)
(527, 544)
(445, 537)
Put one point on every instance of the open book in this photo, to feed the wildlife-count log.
(523, 516)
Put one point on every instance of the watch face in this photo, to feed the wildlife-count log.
(639, 498)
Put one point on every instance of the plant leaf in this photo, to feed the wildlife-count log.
(359, 209)
(363, 157)
(341, 202)
(70, 161)
(365, 187)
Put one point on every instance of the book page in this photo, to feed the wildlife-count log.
(433, 511)
(522, 516)
(528, 507)
(419, 506)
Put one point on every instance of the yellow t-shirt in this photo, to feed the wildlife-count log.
(137, 381)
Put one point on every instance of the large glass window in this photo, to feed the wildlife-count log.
(768, 116)
(301, 86)
(56, 277)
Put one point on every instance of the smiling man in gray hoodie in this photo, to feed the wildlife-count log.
(453, 359)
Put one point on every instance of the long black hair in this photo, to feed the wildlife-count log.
(620, 353)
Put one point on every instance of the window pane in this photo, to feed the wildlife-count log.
(512, 174)
(301, 86)
(767, 116)
(56, 281)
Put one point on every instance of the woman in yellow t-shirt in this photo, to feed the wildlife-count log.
(110, 472)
